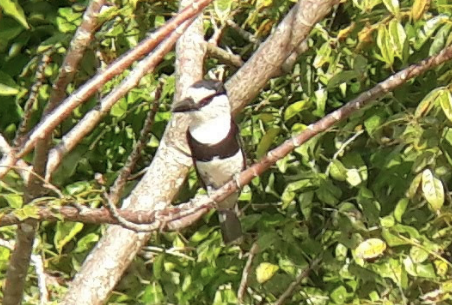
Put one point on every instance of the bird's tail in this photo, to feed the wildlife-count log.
(231, 229)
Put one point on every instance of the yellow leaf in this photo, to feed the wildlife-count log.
(371, 248)
(265, 271)
(419, 8)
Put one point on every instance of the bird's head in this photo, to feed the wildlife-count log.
(204, 100)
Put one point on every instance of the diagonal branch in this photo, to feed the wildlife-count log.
(183, 215)
(92, 118)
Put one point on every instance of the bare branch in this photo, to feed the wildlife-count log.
(248, 36)
(224, 56)
(22, 167)
(266, 62)
(189, 212)
(246, 272)
(289, 291)
(116, 191)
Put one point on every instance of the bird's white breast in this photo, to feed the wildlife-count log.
(217, 172)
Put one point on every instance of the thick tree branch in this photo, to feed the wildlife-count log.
(117, 248)
(271, 55)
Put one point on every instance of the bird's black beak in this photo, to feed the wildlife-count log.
(185, 105)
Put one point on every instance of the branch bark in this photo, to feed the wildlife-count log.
(271, 55)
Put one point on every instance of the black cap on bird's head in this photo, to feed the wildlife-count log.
(199, 95)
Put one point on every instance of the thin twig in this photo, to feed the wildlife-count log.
(246, 271)
(289, 291)
(224, 56)
(116, 191)
(341, 150)
(32, 98)
(22, 167)
(248, 36)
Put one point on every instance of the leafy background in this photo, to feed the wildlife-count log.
(380, 180)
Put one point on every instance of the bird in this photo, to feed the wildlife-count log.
(214, 141)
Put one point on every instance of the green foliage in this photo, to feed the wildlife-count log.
(371, 196)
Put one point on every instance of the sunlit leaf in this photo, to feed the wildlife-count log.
(370, 248)
(433, 190)
(392, 6)
(400, 209)
(267, 141)
(265, 271)
(419, 8)
(445, 99)
(12, 8)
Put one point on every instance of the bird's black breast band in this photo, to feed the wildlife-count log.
(226, 148)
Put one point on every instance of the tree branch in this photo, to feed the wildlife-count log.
(117, 248)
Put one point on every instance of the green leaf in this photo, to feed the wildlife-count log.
(265, 271)
(328, 192)
(7, 85)
(342, 77)
(414, 186)
(339, 295)
(440, 40)
(398, 37)
(65, 232)
(383, 43)
(222, 8)
(418, 255)
(427, 103)
(267, 141)
(295, 108)
(392, 6)
(419, 270)
(157, 266)
(445, 99)
(14, 200)
(433, 190)
(372, 123)
(338, 170)
(13, 9)
(153, 294)
(86, 242)
(400, 209)
(7, 90)
(428, 29)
